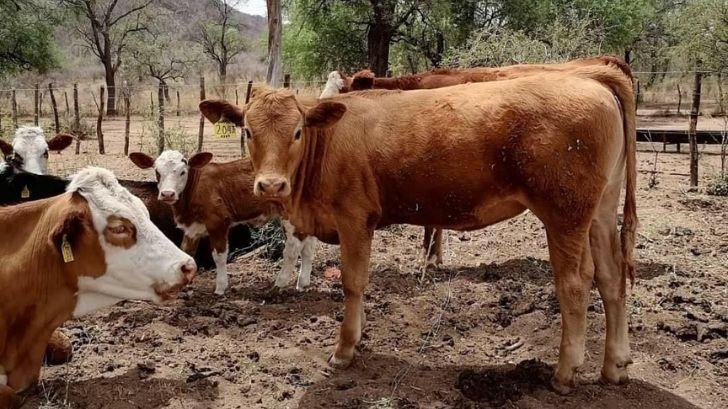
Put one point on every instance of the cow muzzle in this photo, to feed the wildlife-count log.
(272, 187)
(168, 196)
(167, 291)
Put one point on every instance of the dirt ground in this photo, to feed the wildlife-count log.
(480, 332)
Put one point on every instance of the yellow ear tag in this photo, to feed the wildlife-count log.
(25, 193)
(66, 250)
(224, 129)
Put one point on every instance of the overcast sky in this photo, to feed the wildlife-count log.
(253, 7)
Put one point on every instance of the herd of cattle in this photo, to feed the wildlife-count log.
(460, 149)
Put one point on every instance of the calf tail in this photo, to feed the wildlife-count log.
(617, 77)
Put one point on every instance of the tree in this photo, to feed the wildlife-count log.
(106, 27)
(26, 36)
(275, 36)
(221, 39)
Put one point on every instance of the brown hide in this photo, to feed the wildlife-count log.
(365, 79)
(38, 287)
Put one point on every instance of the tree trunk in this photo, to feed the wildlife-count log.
(36, 104)
(14, 107)
(166, 93)
(380, 36)
(76, 119)
(275, 32)
(127, 119)
(99, 120)
(694, 112)
(201, 134)
(111, 85)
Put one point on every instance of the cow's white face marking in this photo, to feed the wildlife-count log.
(172, 172)
(30, 145)
(194, 231)
(333, 86)
(146, 269)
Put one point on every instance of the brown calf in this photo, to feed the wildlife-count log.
(465, 157)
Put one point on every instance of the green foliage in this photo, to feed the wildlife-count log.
(561, 41)
(718, 186)
(318, 41)
(702, 29)
(26, 36)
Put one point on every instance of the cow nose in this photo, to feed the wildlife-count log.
(166, 195)
(272, 186)
(189, 269)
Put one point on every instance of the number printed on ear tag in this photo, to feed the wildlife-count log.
(224, 129)
(25, 193)
(66, 250)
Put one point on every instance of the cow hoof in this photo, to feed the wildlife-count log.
(301, 288)
(59, 350)
(339, 363)
(562, 388)
(616, 374)
(220, 291)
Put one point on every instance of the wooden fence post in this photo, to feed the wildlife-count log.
(68, 110)
(692, 133)
(287, 81)
(76, 119)
(127, 119)
(151, 102)
(177, 102)
(236, 96)
(248, 91)
(36, 103)
(200, 135)
(679, 99)
(14, 107)
(55, 108)
(99, 120)
(160, 120)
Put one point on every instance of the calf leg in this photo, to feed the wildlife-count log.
(433, 246)
(291, 251)
(218, 241)
(605, 247)
(355, 251)
(307, 253)
(8, 398)
(573, 267)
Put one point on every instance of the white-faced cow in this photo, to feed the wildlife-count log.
(463, 158)
(209, 198)
(29, 150)
(72, 254)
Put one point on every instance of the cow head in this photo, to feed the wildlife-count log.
(275, 127)
(172, 170)
(116, 251)
(29, 150)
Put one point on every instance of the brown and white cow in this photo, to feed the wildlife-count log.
(29, 150)
(465, 157)
(72, 254)
(209, 198)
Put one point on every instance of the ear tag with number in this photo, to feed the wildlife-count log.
(66, 250)
(25, 193)
(224, 129)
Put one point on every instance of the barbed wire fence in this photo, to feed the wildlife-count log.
(140, 124)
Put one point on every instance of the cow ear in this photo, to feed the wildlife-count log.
(362, 80)
(6, 148)
(200, 159)
(70, 226)
(216, 110)
(142, 160)
(325, 114)
(60, 142)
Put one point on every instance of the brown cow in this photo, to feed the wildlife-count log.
(365, 79)
(71, 254)
(465, 157)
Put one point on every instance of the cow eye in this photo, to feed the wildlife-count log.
(248, 134)
(156, 172)
(184, 172)
(120, 229)
(45, 154)
(297, 135)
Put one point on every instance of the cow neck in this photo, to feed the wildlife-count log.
(306, 178)
(184, 204)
